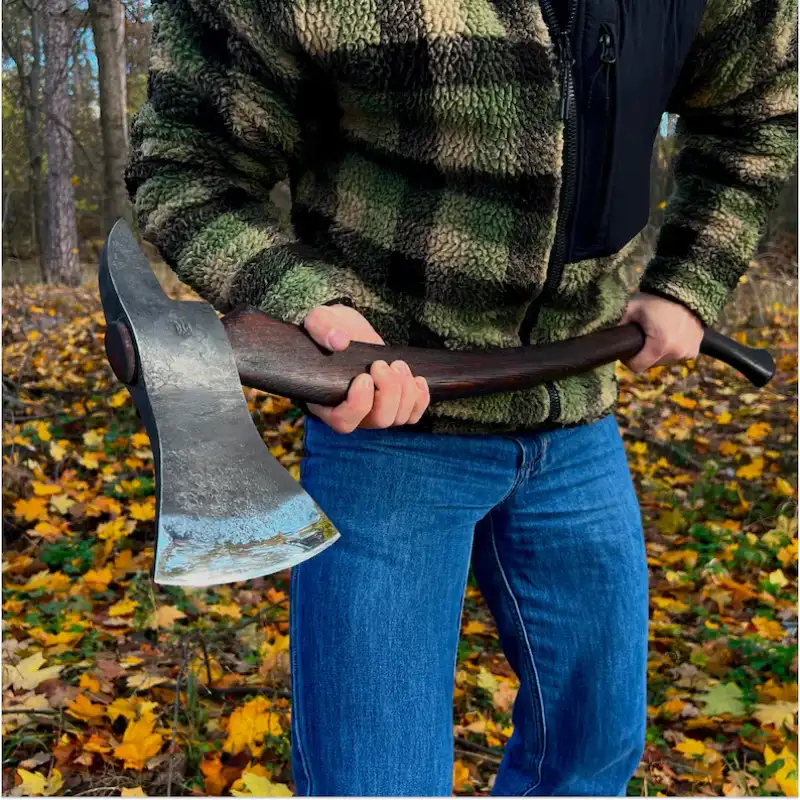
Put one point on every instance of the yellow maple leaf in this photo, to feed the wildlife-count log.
(248, 725)
(103, 505)
(115, 530)
(93, 439)
(139, 743)
(777, 578)
(777, 714)
(691, 747)
(683, 402)
(119, 399)
(487, 681)
(788, 555)
(758, 431)
(783, 487)
(62, 503)
(786, 776)
(43, 431)
(84, 709)
(132, 708)
(474, 626)
(97, 744)
(142, 681)
(123, 608)
(46, 530)
(46, 489)
(165, 617)
(31, 508)
(57, 451)
(54, 639)
(50, 581)
(231, 610)
(769, 628)
(97, 580)
(89, 682)
(136, 791)
(724, 418)
(143, 511)
(670, 605)
(89, 460)
(28, 673)
(140, 441)
(728, 448)
(252, 785)
(751, 471)
(34, 784)
(461, 777)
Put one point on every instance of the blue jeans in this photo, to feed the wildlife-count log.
(551, 525)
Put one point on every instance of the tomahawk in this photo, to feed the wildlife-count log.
(226, 510)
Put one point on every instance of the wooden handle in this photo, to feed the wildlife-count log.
(283, 359)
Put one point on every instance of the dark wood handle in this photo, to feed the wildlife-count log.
(283, 359)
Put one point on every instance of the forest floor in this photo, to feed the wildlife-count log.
(112, 685)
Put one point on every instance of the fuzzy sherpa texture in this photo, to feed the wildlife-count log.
(423, 146)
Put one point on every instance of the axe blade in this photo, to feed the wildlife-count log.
(226, 510)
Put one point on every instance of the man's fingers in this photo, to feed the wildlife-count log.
(347, 416)
(321, 326)
(388, 392)
(422, 402)
(648, 356)
(408, 392)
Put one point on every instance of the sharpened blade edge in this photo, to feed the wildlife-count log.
(232, 549)
(200, 578)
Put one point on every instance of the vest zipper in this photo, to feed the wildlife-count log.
(558, 253)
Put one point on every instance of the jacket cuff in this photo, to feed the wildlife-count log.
(689, 284)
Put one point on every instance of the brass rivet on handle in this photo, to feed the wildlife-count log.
(120, 351)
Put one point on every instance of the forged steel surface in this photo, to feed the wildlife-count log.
(226, 510)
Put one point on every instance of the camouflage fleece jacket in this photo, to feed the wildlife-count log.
(466, 173)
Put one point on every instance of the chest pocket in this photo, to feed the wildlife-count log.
(631, 57)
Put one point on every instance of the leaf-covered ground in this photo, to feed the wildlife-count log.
(113, 686)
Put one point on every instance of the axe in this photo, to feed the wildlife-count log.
(225, 508)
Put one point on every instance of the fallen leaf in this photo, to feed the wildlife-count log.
(248, 725)
(123, 608)
(777, 714)
(28, 674)
(82, 708)
(691, 747)
(136, 791)
(139, 743)
(723, 698)
(252, 785)
(166, 617)
(34, 784)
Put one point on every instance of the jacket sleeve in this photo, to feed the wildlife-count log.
(219, 130)
(737, 136)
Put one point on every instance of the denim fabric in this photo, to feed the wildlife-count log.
(552, 528)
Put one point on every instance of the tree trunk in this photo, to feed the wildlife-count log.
(33, 130)
(61, 261)
(108, 26)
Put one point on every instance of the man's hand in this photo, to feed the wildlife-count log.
(673, 332)
(389, 395)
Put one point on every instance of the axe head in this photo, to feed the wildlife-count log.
(226, 510)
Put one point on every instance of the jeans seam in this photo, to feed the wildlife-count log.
(521, 473)
(533, 673)
(295, 640)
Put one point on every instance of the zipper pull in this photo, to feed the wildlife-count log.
(608, 45)
(566, 60)
(608, 56)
